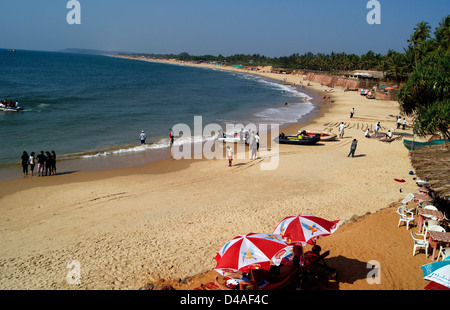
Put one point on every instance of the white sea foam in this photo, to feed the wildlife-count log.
(163, 143)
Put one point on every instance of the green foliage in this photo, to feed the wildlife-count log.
(426, 94)
(398, 64)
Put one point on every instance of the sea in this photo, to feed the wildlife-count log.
(90, 109)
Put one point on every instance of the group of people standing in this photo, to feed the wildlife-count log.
(46, 163)
(251, 139)
(401, 123)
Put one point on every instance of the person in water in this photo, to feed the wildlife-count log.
(25, 158)
(142, 137)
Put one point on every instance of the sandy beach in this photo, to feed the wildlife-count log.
(166, 220)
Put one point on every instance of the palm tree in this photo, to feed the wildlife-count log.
(397, 64)
(421, 34)
(442, 33)
(422, 31)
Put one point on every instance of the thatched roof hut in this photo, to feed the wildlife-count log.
(432, 164)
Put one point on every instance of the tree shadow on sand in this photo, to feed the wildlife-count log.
(349, 270)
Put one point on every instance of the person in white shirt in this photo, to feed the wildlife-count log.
(230, 155)
(377, 127)
(142, 137)
(341, 130)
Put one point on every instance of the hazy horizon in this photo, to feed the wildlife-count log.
(201, 27)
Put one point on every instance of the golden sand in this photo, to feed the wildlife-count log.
(168, 219)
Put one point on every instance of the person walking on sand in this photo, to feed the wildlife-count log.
(399, 121)
(404, 123)
(142, 137)
(353, 148)
(229, 155)
(341, 130)
(351, 112)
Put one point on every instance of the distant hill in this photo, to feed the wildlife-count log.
(90, 51)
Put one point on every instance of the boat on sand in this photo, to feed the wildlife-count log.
(324, 135)
(295, 140)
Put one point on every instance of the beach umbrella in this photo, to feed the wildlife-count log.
(305, 229)
(433, 286)
(249, 251)
(438, 272)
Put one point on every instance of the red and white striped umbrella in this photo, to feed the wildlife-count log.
(250, 251)
(305, 229)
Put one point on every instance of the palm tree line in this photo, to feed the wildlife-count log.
(397, 64)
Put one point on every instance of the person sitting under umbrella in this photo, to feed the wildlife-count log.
(258, 278)
(312, 255)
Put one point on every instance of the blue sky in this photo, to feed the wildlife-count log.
(267, 27)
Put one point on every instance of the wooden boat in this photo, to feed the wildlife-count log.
(324, 135)
(412, 145)
(295, 140)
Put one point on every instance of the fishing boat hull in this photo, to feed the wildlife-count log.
(295, 141)
(324, 135)
(413, 145)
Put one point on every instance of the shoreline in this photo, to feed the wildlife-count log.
(69, 164)
(126, 226)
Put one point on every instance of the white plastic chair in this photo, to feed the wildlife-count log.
(419, 243)
(406, 200)
(403, 212)
(430, 224)
(429, 207)
(444, 253)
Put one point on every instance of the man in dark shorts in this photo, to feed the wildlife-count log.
(41, 163)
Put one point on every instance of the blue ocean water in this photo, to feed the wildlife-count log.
(85, 106)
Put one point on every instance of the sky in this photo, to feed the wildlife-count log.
(199, 27)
